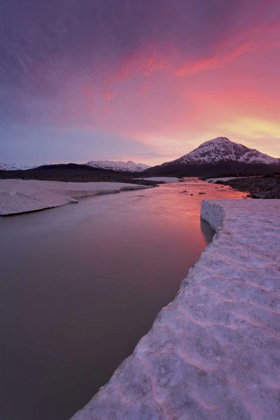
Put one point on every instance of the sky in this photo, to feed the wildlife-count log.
(142, 80)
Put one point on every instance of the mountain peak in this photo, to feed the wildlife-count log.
(218, 140)
(221, 149)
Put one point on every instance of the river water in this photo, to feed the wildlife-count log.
(81, 284)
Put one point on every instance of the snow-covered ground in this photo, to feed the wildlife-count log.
(214, 352)
(20, 196)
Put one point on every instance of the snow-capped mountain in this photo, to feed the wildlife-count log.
(219, 156)
(14, 167)
(222, 149)
(118, 166)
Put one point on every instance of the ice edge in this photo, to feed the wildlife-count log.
(213, 353)
(21, 196)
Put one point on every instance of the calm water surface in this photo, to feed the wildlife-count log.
(81, 284)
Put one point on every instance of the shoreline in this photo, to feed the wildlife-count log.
(24, 196)
(70, 173)
(211, 353)
(264, 187)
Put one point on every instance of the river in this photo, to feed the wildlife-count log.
(81, 284)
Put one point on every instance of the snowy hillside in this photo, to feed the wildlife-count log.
(218, 157)
(14, 167)
(118, 166)
(222, 149)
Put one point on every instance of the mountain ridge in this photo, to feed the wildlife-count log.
(118, 166)
(216, 157)
(14, 167)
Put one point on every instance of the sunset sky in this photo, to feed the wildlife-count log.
(142, 80)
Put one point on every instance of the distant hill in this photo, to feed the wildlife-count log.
(64, 166)
(216, 157)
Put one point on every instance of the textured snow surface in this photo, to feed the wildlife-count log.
(222, 149)
(118, 166)
(214, 352)
(20, 196)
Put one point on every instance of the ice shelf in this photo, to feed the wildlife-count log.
(21, 196)
(214, 352)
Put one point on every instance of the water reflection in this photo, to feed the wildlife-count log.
(207, 231)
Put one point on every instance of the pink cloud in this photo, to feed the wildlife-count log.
(214, 62)
(109, 95)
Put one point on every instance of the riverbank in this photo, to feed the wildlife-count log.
(22, 196)
(213, 353)
(266, 187)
